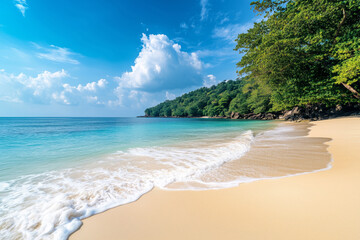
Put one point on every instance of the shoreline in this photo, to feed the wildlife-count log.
(315, 112)
(321, 205)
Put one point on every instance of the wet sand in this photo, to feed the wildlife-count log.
(320, 205)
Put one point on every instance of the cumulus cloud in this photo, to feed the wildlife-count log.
(48, 87)
(132, 98)
(92, 86)
(209, 81)
(21, 5)
(43, 81)
(75, 94)
(57, 54)
(26, 88)
(160, 65)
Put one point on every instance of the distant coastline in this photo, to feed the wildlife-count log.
(226, 100)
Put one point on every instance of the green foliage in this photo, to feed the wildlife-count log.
(302, 51)
(220, 100)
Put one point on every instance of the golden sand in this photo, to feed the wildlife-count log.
(321, 205)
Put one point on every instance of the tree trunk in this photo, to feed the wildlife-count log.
(347, 86)
(351, 89)
(339, 26)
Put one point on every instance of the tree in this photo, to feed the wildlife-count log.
(303, 50)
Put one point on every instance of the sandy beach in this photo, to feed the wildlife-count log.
(321, 205)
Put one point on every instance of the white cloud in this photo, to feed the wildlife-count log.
(221, 52)
(204, 10)
(224, 20)
(48, 87)
(21, 5)
(184, 26)
(231, 31)
(169, 96)
(209, 81)
(75, 94)
(57, 54)
(161, 65)
(93, 99)
(92, 86)
(60, 97)
(10, 99)
(131, 98)
(44, 80)
(102, 82)
(29, 89)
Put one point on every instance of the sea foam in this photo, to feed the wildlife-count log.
(51, 205)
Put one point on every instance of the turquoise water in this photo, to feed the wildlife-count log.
(34, 145)
(56, 171)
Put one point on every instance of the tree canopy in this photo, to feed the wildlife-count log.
(304, 51)
(219, 100)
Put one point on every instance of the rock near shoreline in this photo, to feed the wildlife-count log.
(308, 112)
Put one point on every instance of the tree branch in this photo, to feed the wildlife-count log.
(339, 26)
(351, 89)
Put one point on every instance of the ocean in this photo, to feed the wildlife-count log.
(56, 171)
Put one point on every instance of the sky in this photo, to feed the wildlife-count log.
(113, 58)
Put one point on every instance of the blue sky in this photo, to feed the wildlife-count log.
(113, 58)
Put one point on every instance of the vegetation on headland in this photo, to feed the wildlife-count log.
(303, 52)
(219, 100)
